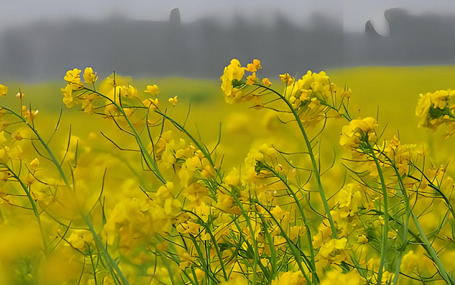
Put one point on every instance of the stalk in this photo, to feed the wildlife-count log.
(386, 214)
(34, 207)
(148, 158)
(313, 160)
(305, 222)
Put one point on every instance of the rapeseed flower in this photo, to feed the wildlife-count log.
(266, 82)
(232, 74)
(152, 89)
(3, 90)
(357, 131)
(286, 78)
(173, 101)
(90, 76)
(255, 66)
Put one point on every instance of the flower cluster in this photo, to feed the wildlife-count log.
(311, 97)
(434, 109)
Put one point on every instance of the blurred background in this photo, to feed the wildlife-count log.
(40, 40)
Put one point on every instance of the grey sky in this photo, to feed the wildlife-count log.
(353, 13)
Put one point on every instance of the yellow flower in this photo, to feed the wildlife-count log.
(150, 103)
(409, 262)
(330, 247)
(290, 278)
(73, 76)
(266, 82)
(250, 80)
(3, 90)
(152, 89)
(80, 238)
(128, 91)
(29, 115)
(234, 71)
(362, 239)
(89, 75)
(20, 95)
(286, 78)
(353, 133)
(173, 101)
(34, 164)
(2, 137)
(255, 66)
(226, 204)
(337, 277)
(387, 277)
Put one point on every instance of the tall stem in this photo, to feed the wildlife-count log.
(313, 160)
(385, 230)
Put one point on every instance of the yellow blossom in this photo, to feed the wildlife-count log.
(266, 82)
(73, 76)
(362, 239)
(354, 133)
(250, 80)
(234, 71)
(173, 101)
(286, 78)
(79, 239)
(152, 89)
(409, 262)
(290, 278)
(20, 95)
(255, 66)
(29, 115)
(150, 103)
(34, 164)
(3, 90)
(90, 76)
(337, 277)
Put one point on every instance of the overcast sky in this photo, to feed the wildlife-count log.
(353, 13)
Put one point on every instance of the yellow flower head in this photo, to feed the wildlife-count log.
(3, 90)
(255, 66)
(20, 95)
(173, 101)
(128, 91)
(234, 71)
(250, 80)
(266, 82)
(353, 133)
(286, 78)
(152, 89)
(34, 164)
(362, 239)
(150, 103)
(89, 75)
(289, 278)
(73, 76)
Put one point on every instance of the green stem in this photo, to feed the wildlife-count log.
(295, 250)
(212, 237)
(432, 252)
(147, 156)
(305, 221)
(198, 145)
(255, 246)
(386, 213)
(34, 207)
(103, 249)
(313, 161)
(424, 239)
